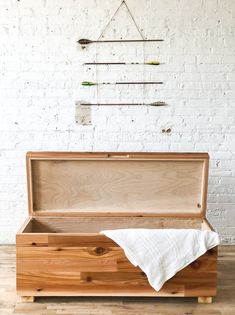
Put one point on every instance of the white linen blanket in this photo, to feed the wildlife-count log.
(161, 253)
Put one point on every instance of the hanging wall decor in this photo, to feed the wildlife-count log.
(89, 83)
(85, 41)
(159, 103)
(150, 63)
(83, 113)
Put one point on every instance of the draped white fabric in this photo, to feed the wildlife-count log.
(161, 253)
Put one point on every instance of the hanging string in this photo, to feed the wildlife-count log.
(132, 17)
(102, 33)
(110, 20)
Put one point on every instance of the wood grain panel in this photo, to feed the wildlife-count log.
(205, 263)
(90, 284)
(104, 271)
(97, 224)
(68, 259)
(31, 239)
(80, 240)
(96, 155)
(65, 265)
(96, 253)
(109, 186)
(112, 284)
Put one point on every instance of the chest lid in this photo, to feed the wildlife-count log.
(109, 184)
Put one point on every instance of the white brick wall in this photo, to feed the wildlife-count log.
(41, 71)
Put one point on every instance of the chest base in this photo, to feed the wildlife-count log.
(66, 256)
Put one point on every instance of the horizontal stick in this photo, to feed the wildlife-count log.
(88, 83)
(84, 41)
(159, 103)
(151, 63)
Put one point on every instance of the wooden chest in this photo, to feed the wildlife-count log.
(72, 196)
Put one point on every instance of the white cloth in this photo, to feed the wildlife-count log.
(161, 253)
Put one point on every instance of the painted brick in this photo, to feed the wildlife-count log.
(41, 71)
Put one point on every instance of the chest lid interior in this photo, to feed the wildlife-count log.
(109, 184)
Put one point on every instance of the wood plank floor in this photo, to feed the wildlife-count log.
(224, 303)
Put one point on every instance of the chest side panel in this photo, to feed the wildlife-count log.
(99, 267)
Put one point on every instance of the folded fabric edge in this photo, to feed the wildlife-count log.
(106, 232)
(173, 272)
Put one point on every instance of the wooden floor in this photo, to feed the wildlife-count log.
(224, 303)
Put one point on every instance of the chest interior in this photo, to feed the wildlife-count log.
(90, 192)
(97, 224)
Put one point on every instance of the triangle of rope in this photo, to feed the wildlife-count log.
(131, 15)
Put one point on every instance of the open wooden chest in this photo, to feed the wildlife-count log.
(72, 196)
